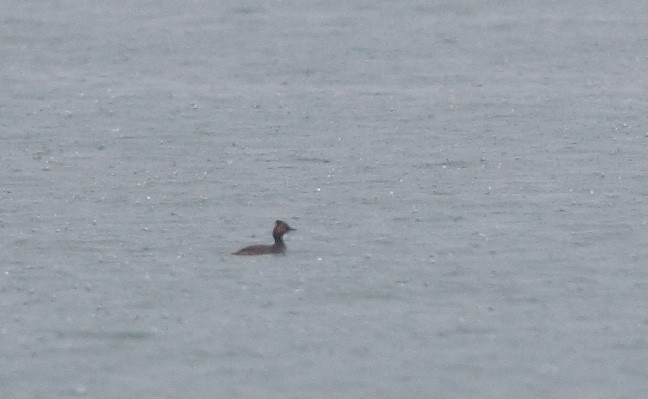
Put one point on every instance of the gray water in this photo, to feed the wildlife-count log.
(468, 182)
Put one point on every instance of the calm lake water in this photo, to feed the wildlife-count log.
(468, 182)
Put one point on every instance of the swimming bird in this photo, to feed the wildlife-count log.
(278, 247)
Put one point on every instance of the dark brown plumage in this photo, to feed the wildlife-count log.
(278, 247)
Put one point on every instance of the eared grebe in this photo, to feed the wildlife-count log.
(278, 247)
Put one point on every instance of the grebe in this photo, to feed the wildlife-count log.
(278, 247)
